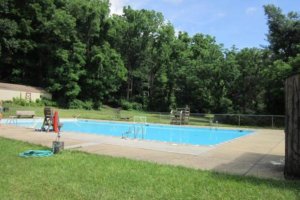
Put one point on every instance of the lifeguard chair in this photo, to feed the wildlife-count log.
(180, 116)
(48, 119)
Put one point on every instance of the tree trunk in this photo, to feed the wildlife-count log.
(292, 127)
(129, 87)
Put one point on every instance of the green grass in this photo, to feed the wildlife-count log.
(108, 113)
(77, 175)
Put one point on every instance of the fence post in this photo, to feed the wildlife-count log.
(239, 120)
(160, 118)
(272, 121)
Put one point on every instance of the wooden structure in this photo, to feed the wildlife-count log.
(180, 116)
(292, 127)
(48, 119)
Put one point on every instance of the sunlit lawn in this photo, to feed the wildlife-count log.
(77, 175)
(111, 114)
(106, 113)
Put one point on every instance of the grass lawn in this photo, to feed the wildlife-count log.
(108, 113)
(77, 175)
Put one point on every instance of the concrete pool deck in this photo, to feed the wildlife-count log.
(260, 154)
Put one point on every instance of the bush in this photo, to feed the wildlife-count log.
(137, 106)
(97, 105)
(21, 102)
(88, 105)
(39, 102)
(126, 105)
(78, 104)
(48, 102)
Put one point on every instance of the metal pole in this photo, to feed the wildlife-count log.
(239, 120)
(272, 121)
(159, 117)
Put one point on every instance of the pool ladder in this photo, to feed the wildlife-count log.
(214, 125)
(135, 130)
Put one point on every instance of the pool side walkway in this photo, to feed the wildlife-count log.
(259, 154)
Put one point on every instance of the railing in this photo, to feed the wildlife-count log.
(243, 120)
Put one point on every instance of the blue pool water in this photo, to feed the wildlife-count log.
(164, 133)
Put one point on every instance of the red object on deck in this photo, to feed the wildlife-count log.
(55, 122)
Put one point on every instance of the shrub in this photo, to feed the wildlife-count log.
(88, 105)
(21, 102)
(97, 105)
(137, 106)
(47, 102)
(78, 104)
(126, 105)
(38, 102)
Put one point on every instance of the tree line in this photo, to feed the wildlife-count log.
(87, 57)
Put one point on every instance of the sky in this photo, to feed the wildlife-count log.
(241, 23)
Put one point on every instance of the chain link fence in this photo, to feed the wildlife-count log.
(243, 120)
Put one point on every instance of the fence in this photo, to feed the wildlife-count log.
(265, 121)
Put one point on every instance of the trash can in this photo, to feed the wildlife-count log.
(57, 146)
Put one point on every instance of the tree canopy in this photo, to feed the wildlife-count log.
(82, 54)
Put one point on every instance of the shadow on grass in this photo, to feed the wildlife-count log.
(290, 185)
(258, 170)
(255, 164)
(265, 170)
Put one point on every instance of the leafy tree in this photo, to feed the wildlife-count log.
(284, 32)
(197, 73)
(86, 57)
(134, 34)
(180, 62)
(249, 87)
(104, 76)
(284, 39)
(227, 76)
(15, 44)
(160, 72)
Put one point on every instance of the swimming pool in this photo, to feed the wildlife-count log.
(163, 133)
